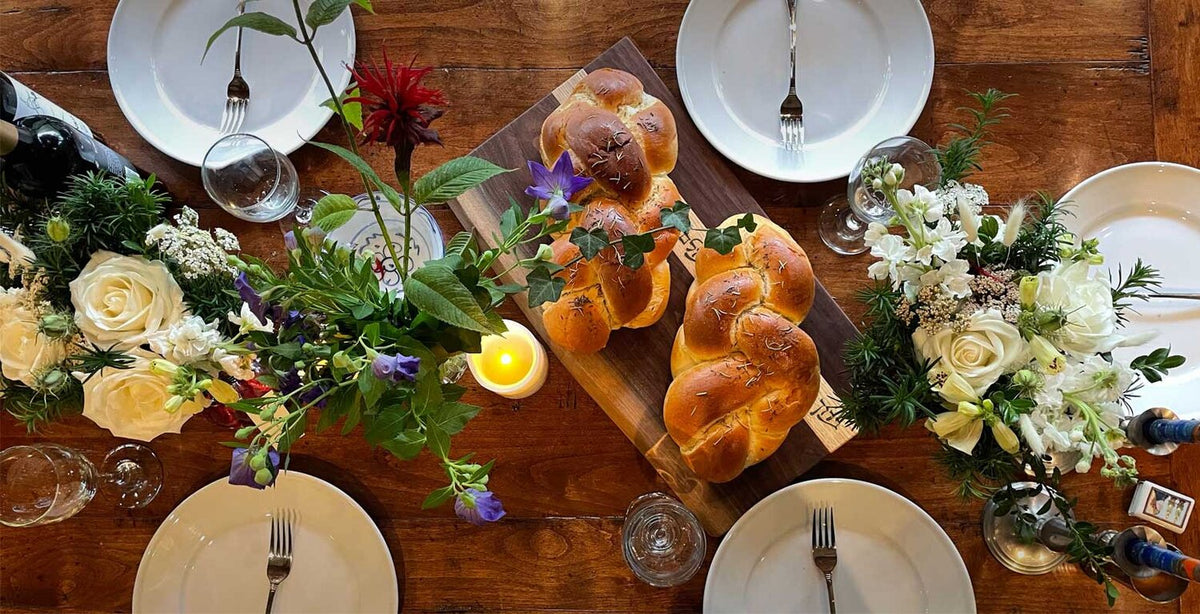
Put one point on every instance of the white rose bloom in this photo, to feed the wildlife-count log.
(987, 349)
(130, 402)
(1091, 321)
(14, 254)
(123, 300)
(24, 353)
(187, 341)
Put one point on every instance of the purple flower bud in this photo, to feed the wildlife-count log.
(559, 208)
(399, 368)
(293, 318)
(289, 381)
(312, 394)
(478, 507)
(249, 295)
(289, 240)
(241, 472)
(383, 366)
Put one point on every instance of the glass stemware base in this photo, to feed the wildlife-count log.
(132, 475)
(840, 229)
(663, 541)
(1000, 535)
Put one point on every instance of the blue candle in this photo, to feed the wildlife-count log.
(1173, 431)
(1144, 553)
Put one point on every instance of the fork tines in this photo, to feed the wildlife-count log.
(281, 535)
(823, 534)
(791, 127)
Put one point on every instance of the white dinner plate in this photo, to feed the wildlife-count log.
(1151, 210)
(175, 102)
(892, 557)
(864, 69)
(210, 554)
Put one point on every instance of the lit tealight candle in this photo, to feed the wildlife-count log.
(512, 365)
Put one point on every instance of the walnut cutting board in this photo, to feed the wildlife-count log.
(629, 378)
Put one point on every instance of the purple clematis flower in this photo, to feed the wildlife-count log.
(556, 185)
(249, 295)
(478, 507)
(398, 368)
(242, 473)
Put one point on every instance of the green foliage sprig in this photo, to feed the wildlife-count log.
(959, 157)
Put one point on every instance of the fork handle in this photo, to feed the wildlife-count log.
(271, 597)
(791, 4)
(828, 585)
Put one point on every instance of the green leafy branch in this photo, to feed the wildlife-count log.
(1154, 366)
(1139, 284)
(959, 157)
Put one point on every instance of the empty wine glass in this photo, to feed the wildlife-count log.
(663, 541)
(249, 179)
(843, 221)
(46, 483)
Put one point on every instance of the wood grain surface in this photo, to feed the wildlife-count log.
(1101, 83)
(629, 378)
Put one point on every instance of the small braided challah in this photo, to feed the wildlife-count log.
(744, 371)
(625, 141)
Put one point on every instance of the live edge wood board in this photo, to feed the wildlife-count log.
(629, 378)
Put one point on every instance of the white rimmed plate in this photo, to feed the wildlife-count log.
(175, 102)
(210, 554)
(1151, 210)
(864, 69)
(892, 557)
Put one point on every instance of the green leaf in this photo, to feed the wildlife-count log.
(480, 472)
(322, 12)
(723, 240)
(371, 332)
(352, 417)
(406, 445)
(438, 497)
(437, 440)
(438, 292)
(677, 216)
(361, 310)
(452, 417)
(636, 247)
(747, 222)
(352, 111)
(452, 178)
(509, 219)
(387, 425)
(257, 21)
(361, 166)
(590, 242)
(371, 387)
(988, 227)
(333, 211)
(460, 243)
(542, 287)
(366, 5)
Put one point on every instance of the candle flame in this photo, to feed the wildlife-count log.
(506, 358)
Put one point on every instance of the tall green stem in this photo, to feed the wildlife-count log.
(334, 95)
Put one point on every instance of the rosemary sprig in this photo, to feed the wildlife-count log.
(959, 157)
(1139, 284)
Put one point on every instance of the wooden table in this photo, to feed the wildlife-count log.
(1101, 83)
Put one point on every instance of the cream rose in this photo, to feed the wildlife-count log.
(1091, 321)
(122, 300)
(988, 348)
(24, 352)
(130, 402)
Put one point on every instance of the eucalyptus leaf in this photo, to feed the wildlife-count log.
(333, 211)
(452, 178)
(438, 292)
(257, 21)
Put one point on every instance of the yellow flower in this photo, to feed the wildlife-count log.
(222, 392)
(962, 427)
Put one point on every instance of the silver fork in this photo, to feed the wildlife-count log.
(237, 95)
(791, 112)
(824, 548)
(279, 556)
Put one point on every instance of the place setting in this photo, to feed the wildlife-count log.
(605, 239)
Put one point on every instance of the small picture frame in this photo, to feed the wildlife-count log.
(1161, 506)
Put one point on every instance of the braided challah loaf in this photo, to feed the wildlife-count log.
(625, 141)
(744, 371)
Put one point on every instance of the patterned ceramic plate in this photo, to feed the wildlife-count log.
(362, 234)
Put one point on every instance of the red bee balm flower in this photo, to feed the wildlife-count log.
(397, 109)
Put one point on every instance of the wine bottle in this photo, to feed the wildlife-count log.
(38, 153)
(17, 101)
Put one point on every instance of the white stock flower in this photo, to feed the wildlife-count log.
(186, 341)
(14, 254)
(131, 402)
(123, 300)
(988, 348)
(237, 366)
(875, 232)
(895, 253)
(24, 352)
(248, 322)
(1091, 321)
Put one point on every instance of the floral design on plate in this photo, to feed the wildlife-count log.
(362, 234)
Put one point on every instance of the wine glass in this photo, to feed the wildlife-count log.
(46, 483)
(663, 541)
(844, 221)
(249, 179)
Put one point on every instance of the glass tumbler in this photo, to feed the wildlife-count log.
(249, 179)
(663, 541)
